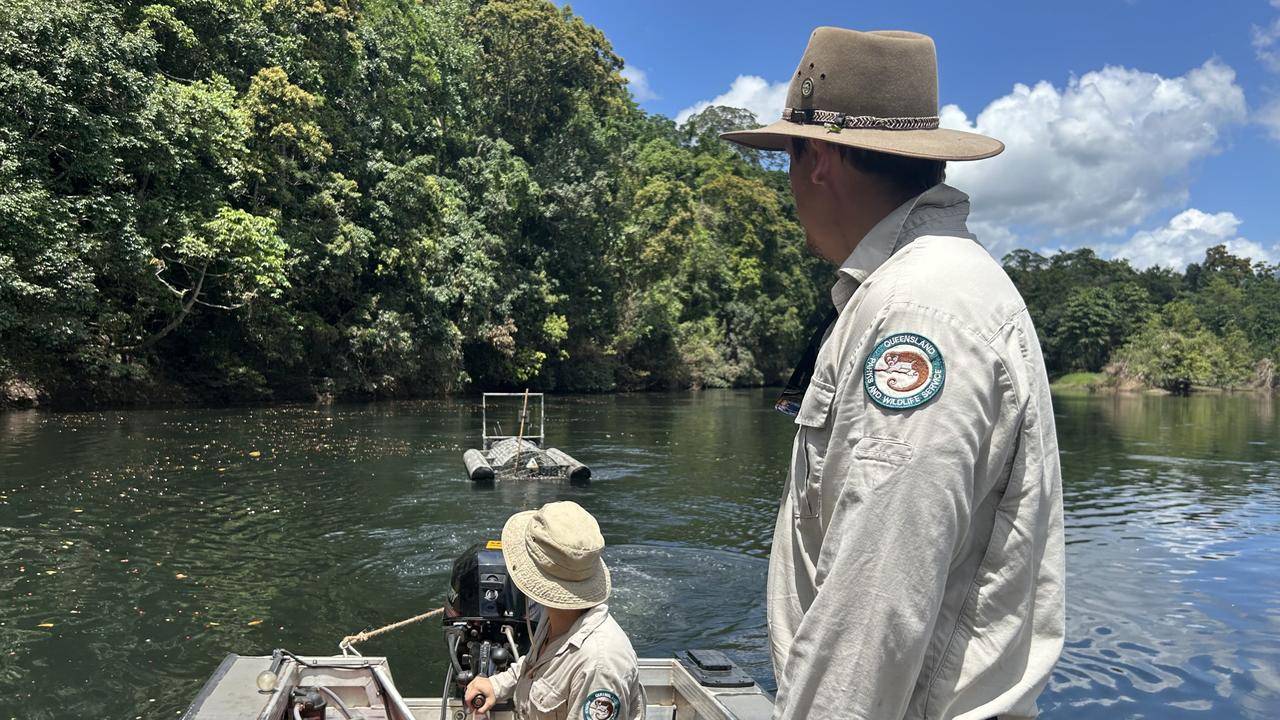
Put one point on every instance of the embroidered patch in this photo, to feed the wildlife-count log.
(903, 371)
(806, 87)
(601, 705)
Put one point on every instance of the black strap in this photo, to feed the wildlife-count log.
(788, 402)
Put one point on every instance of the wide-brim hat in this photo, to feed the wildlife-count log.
(873, 90)
(554, 556)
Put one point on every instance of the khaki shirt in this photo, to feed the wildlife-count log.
(589, 673)
(917, 566)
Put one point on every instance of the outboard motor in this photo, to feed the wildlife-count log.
(486, 623)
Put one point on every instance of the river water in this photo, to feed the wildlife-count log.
(138, 548)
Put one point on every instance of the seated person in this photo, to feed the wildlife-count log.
(580, 663)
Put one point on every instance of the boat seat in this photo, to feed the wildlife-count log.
(659, 712)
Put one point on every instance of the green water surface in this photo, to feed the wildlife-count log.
(154, 542)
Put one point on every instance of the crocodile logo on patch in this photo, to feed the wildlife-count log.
(903, 371)
(601, 705)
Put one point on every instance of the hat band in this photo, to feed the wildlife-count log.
(810, 116)
(542, 558)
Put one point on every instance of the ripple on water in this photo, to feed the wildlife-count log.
(171, 544)
(670, 598)
(1169, 563)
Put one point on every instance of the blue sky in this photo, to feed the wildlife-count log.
(1148, 130)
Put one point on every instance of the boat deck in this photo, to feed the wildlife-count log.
(232, 693)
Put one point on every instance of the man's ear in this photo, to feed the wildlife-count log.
(824, 155)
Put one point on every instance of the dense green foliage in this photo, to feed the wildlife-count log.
(244, 199)
(1216, 325)
(287, 199)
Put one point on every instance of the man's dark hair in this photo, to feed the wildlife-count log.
(911, 175)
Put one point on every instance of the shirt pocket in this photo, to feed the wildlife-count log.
(549, 698)
(879, 459)
(810, 451)
(874, 449)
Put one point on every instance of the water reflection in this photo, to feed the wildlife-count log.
(155, 542)
(1172, 506)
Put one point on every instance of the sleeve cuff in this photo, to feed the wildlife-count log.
(504, 683)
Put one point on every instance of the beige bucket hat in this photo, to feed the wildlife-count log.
(872, 90)
(553, 555)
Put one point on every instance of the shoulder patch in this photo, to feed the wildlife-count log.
(601, 705)
(903, 371)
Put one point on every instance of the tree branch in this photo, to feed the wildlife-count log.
(174, 323)
(173, 289)
(221, 307)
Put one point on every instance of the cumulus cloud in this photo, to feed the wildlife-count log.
(638, 84)
(1096, 157)
(1184, 240)
(1101, 154)
(763, 99)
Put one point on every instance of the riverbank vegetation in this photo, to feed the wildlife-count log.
(1216, 325)
(223, 200)
(218, 200)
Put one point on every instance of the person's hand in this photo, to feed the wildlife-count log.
(480, 688)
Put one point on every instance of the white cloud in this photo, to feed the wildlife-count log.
(764, 99)
(1264, 44)
(1185, 238)
(1269, 117)
(1102, 154)
(997, 239)
(638, 84)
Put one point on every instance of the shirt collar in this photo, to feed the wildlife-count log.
(586, 624)
(940, 210)
(577, 634)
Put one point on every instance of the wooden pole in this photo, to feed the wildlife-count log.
(524, 411)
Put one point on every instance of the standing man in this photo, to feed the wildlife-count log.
(917, 566)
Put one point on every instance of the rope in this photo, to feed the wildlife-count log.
(347, 642)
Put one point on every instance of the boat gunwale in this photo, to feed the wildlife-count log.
(666, 680)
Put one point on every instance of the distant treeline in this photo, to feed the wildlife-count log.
(1215, 325)
(221, 200)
